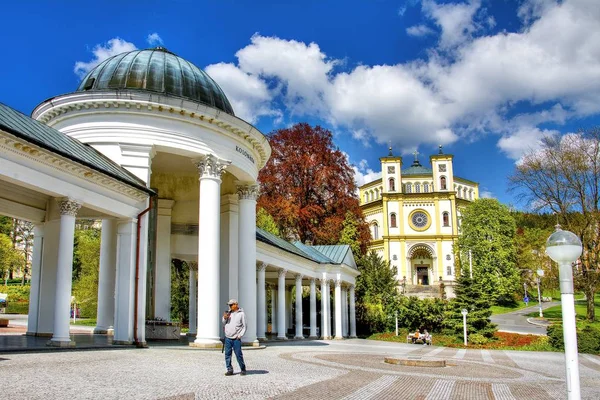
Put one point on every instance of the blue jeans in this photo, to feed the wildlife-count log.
(236, 345)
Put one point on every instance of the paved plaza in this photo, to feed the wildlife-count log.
(349, 369)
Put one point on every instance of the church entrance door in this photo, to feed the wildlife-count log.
(422, 276)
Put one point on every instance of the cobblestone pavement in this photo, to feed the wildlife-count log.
(350, 369)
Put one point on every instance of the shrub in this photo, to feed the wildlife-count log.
(588, 338)
(16, 293)
(477, 338)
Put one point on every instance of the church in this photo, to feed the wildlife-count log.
(149, 145)
(414, 214)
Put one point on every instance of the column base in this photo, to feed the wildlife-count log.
(282, 338)
(314, 337)
(122, 342)
(338, 338)
(207, 343)
(326, 338)
(100, 330)
(354, 337)
(298, 337)
(255, 343)
(141, 345)
(60, 343)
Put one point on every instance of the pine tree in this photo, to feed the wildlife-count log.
(470, 296)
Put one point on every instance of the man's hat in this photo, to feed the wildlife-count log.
(232, 301)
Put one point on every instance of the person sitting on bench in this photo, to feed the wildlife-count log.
(416, 336)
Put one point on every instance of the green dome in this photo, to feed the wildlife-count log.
(156, 70)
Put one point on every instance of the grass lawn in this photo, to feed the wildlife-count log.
(555, 313)
(84, 321)
(504, 310)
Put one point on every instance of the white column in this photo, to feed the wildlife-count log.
(193, 302)
(281, 305)
(125, 281)
(344, 312)
(352, 313)
(36, 274)
(106, 278)
(313, 309)
(262, 267)
(338, 309)
(329, 315)
(208, 332)
(274, 310)
(162, 273)
(324, 313)
(229, 248)
(64, 273)
(299, 333)
(247, 195)
(289, 317)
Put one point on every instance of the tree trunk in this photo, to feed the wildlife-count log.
(591, 308)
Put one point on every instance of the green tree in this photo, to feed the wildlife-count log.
(488, 231)
(351, 235)
(377, 296)
(180, 292)
(470, 295)
(85, 287)
(10, 258)
(563, 177)
(265, 221)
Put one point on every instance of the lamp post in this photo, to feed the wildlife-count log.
(564, 247)
(464, 313)
(540, 273)
(470, 264)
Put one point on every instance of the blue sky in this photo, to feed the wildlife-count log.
(485, 78)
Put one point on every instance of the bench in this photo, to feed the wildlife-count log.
(410, 338)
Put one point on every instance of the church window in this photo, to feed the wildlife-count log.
(392, 184)
(465, 193)
(408, 187)
(425, 188)
(470, 195)
(375, 231)
(366, 197)
(449, 270)
(443, 183)
(417, 187)
(393, 220)
(445, 218)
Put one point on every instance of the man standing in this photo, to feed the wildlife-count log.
(235, 327)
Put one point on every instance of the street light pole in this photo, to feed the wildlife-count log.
(464, 313)
(540, 273)
(564, 247)
(470, 264)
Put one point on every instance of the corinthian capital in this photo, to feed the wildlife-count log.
(68, 207)
(210, 166)
(282, 272)
(247, 192)
(262, 266)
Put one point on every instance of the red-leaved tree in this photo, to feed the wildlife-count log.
(308, 186)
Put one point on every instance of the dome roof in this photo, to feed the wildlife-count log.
(156, 70)
(417, 169)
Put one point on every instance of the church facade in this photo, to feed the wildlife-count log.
(414, 215)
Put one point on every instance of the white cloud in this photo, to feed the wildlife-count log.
(363, 174)
(154, 39)
(455, 20)
(419, 30)
(402, 10)
(486, 194)
(524, 140)
(102, 52)
(248, 94)
(303, 70)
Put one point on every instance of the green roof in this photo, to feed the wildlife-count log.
(39, 134)
(337, 253)
(158, 71)
(314, 253)
(269, 238)
(417, 169)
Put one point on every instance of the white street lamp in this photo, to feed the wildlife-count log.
(540, 273)
(564, 247)
(464, 313)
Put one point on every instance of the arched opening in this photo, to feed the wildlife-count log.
(375, 230)
(393, 220)
(446, 218)
(443, 183)
(421, 259)
(392, 184)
